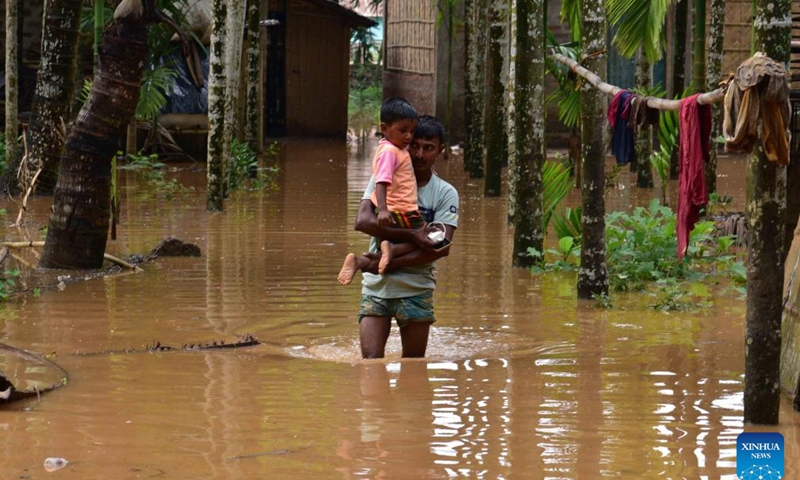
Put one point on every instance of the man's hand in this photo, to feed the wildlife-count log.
(385, 218)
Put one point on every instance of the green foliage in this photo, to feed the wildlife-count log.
(567, 95)
(245, 172)
(155, 82)
(556, 184)
(153, 172)
(8, 283)
(364, 107)
(569, 224)
(667, 140)
(571, 14)
(641, 249)
(640, 23)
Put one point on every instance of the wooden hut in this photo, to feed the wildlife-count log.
(307, 68)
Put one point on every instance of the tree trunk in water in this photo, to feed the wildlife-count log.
(12, 78)
(766, 212)
(55, 85)
(644, 134)
(217, 81)
(474, 87)
(593, 275)
(679, 66)
(78, 228)
(511, 85)
(495, 113)
(699, 46)
(529, 111)
(233, 63)
(253, 129)
(715, 41)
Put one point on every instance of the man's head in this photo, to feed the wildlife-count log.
(398, 120)
(428, 143)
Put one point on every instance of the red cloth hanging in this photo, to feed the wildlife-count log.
(693, 154)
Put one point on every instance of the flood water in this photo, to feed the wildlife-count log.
(522, 381)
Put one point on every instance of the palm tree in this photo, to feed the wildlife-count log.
(593, 274)
(253, 135)
(12, 78)
(716, 36)
(529, 124)
(217, 79)
(766, 212)
(78, 227)
(55, 84)
(474, 86)
(495, 113)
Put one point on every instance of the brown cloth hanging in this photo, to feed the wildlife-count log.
(760, 89)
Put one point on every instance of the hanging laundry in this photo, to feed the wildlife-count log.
(642, 115)
(759, 91)
(622, 141)
(693, 154)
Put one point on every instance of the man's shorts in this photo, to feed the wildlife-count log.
(418, 308)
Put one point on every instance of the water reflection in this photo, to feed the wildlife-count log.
(522, 381)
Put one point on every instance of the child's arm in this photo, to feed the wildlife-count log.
(385, 218)
(384, 168)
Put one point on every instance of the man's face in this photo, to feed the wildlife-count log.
(424, 153)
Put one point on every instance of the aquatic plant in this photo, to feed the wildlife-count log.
(153, 172)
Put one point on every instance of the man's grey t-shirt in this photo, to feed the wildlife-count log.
(438, 202)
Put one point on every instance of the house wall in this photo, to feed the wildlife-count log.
(31, 27)
(410, 53)
(317, 74)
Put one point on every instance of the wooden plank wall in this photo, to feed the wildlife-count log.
(317, 74)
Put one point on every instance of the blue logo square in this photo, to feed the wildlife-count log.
(759, 456)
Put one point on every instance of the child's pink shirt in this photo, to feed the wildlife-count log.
(392, 165)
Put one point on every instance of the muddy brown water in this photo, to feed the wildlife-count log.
(522, 381)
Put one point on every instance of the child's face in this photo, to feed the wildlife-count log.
(400, 133)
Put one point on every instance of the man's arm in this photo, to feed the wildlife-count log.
(367, 222)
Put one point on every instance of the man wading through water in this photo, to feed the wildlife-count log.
(405, 292)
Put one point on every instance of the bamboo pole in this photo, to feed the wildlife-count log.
(40, 243)
(658, 103)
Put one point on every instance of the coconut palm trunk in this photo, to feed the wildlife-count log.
(766, 212)
(12, 78)
(495, 113)
(78, 227)
(530, 145)
(55, 84)
(217, 79)
(474, 85)
(253, 130)
(716, 35)
(233, 63)
(698, 45)
(511, 85)
(593, 274)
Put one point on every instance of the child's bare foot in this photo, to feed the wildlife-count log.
(386, 256)
(349, 269)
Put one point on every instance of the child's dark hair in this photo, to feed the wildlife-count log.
(395, 109)
(429, 128)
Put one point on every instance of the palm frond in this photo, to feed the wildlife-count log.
(556, 184)
(571, 14)
(155, 83)
(640, 23)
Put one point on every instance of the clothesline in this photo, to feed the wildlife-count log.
(658, 103)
